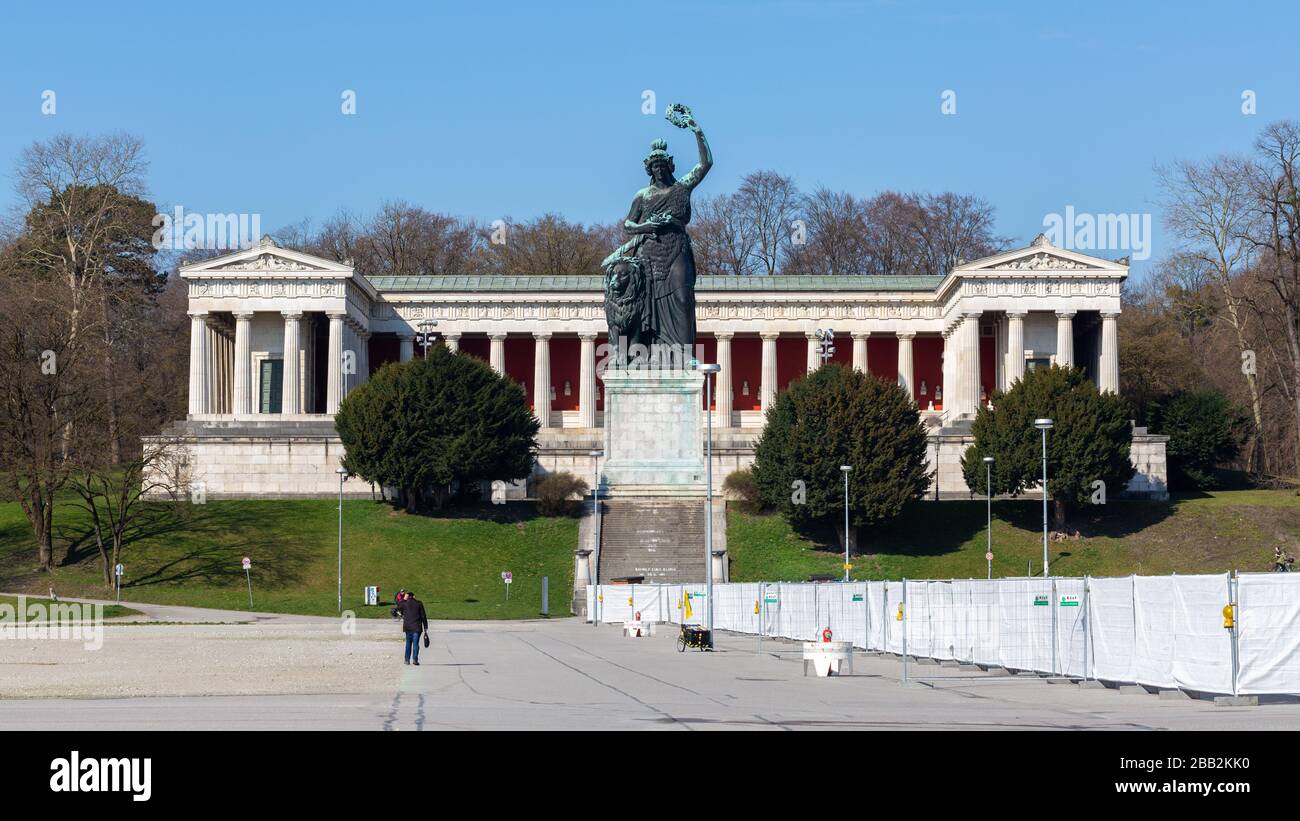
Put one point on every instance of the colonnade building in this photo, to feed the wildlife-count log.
(278, 337)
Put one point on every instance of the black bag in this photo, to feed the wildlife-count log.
(426, 638)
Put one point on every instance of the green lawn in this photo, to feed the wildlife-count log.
(190, 555)
(1203, 533)
(111, 611)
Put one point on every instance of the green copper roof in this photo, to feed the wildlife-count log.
(706, 283)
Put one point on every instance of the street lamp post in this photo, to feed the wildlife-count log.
(426, 334)
(594, 564)
(1044, 425)
(708, 370)
(825, 344)
(343, 475)
(845, 470)
(988, 493)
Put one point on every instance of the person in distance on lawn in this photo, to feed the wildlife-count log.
(414, 622)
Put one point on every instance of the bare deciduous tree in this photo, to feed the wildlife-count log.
(1273, 185)
(1208, 207)
(768, 203)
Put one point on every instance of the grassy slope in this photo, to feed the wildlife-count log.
(111, 611)
(191, 555)
(1194, 534)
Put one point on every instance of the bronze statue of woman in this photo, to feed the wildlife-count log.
(657, 222)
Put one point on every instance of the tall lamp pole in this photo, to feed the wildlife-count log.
(594, 563)
(1044, 425)
(426, 334)
(825, 343)
(708, 370)
(845, 470)
(343, 475)
(988, 493)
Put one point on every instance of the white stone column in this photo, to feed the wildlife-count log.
(198, 362)
(1065, 339)
(814, 356)
(289, 391)
(406, 347)
(214, 367)
(1015, 347)
(905, 370)
(587, 380)
(227, 374)
(968, 367)
(497, 353)
(1108, 367)
(308, 364)
(210, 367)
(334, 371)
(453, 342)
(363, 357)
(950, 357)
(860, 351)
(542, 377)
(351, 357)
(767, 389)
(722, 382)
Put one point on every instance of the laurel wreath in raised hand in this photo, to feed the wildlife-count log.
(680, 116)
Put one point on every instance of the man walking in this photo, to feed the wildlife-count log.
(414, 623)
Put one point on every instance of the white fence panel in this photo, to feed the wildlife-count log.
(893, 625)
(878, 617)
(1202, 656)
(985, 623)
(1071, 628)
(1160, 631)
(943, 630)
(1155, 613)
(1268, 641)
(1112, 628)
(1025, 624)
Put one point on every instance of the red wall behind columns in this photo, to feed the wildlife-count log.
(882, 356)
(479, 347)
(927, 364)
(791, 360)
(746, 366)
(382, 349)
(519, 362)
(843, 350)
(988, 366)
(566, 360)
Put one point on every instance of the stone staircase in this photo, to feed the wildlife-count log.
(660, 539)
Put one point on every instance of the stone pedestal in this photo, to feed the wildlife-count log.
(654, 433)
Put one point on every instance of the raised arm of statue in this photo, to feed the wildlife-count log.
(697, 174)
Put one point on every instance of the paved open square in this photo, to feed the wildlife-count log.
(285, 672)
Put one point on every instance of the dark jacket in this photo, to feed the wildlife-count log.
(414, 619)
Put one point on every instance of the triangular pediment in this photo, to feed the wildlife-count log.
(1042, 255)
(268, 258)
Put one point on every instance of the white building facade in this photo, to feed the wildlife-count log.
(279, 337)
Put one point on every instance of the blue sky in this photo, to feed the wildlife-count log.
(515, 109)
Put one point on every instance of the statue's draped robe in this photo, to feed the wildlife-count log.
(669, 264)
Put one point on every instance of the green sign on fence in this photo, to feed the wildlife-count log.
(857, 597)
(1042, 601)
(1069, 601)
